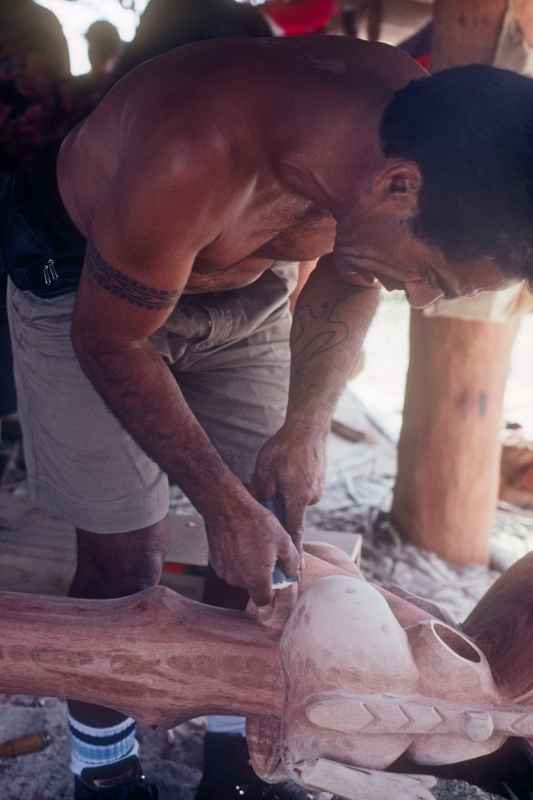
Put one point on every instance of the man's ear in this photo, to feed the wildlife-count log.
(398, 186)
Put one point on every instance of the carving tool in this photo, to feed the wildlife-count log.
(276, 506)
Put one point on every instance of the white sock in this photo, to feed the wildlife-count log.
(98, 747)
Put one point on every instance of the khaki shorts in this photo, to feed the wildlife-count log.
(229, 353)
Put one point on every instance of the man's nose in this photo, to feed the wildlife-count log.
(421, 295)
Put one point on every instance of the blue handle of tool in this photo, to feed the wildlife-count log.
(276, 506)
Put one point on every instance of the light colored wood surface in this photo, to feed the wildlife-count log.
(365, 784)
(36, 551)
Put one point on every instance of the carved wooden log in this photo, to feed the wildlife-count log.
(354, 784)
(155, 655)
(502, 625)
(354, 674)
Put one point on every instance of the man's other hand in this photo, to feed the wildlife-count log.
(245, 542)
(292, 464)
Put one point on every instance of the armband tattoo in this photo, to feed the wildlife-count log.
(121, 285)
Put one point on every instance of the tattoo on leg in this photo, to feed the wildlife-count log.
(121, 285)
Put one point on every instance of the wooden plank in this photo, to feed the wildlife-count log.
(353, 421)
(38, 555)
(368, 450)
(188, 541)
(350, 543)
(37, 551)
(352, 783)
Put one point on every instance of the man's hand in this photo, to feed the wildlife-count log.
(244, 545)
(292, 464)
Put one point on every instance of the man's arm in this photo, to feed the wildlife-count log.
(331, 319)
(129, 285)
(330, 322)
(136, 383)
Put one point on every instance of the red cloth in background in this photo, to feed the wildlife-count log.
(303, 16)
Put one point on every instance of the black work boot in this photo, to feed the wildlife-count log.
(122, 781)
(229, 776)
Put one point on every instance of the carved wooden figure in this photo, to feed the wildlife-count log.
(347, 672)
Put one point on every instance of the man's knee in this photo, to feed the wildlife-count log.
(119, 564)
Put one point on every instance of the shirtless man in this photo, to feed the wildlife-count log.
(195, 185)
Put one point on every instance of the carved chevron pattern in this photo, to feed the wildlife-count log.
(416, 715)
(402, 717)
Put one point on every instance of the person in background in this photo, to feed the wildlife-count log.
(34, 59)
(32, 42)
(105, 45)
(85, 91)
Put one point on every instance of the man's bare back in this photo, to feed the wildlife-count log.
(252, 144)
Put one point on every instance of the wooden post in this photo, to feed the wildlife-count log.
(449, 451)
(466, 31)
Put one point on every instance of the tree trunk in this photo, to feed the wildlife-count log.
(449, 450)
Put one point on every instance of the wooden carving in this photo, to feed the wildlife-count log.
(347, 672)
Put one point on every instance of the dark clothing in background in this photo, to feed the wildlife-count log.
(31, 41)
(166, 24)
(42, 249)
(33, 61)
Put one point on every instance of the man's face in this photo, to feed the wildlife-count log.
(380, 242)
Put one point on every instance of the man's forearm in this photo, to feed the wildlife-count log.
(330, 322)
(140, 390)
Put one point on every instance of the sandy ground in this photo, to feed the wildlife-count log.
(174, 759)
